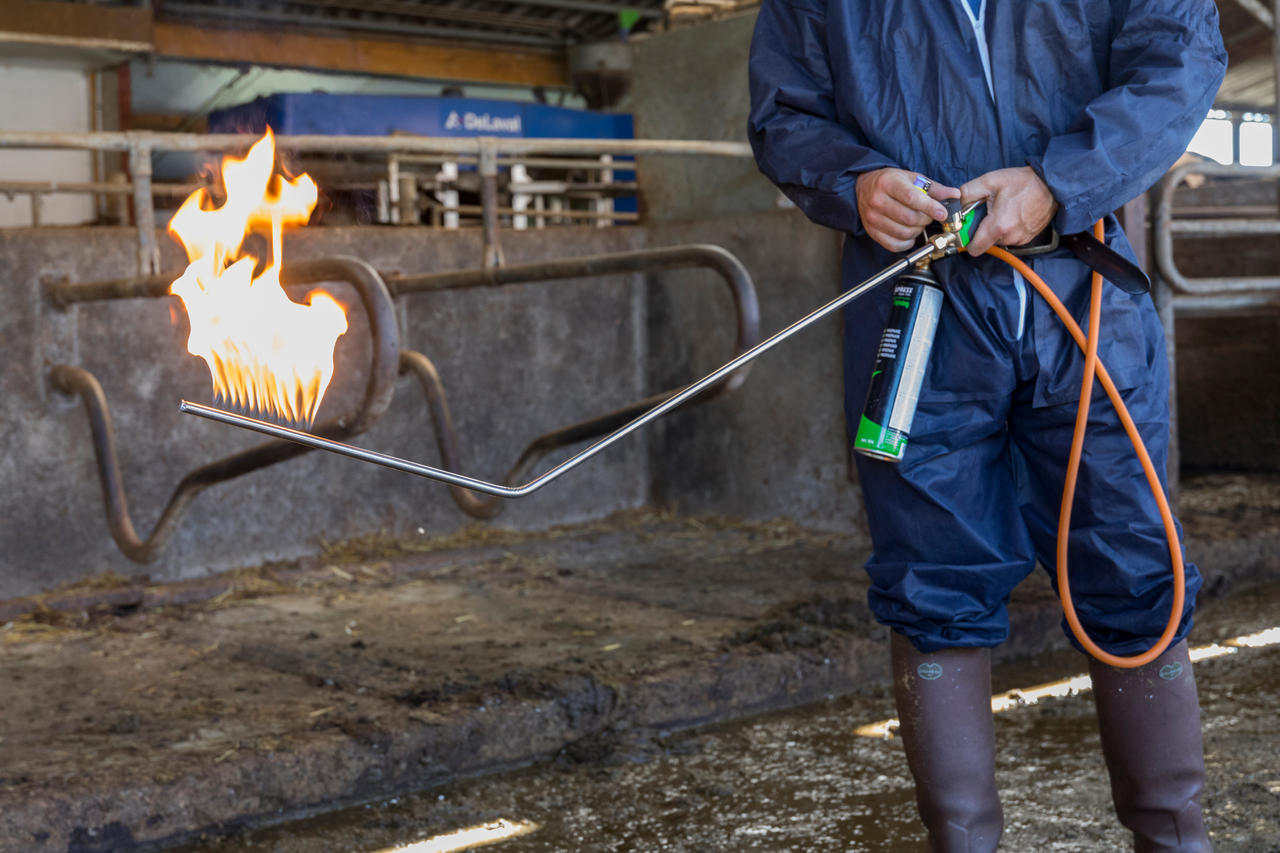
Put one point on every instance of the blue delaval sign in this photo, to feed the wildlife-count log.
(381, 115)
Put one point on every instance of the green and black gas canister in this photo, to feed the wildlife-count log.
(901, 362)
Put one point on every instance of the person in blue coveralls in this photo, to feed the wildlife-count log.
(1056, 113)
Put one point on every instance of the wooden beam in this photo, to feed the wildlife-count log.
(80, 25)
(360, 55)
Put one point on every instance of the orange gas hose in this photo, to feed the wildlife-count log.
(1092, 367)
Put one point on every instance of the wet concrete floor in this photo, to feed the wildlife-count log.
(135, 716)
(802, 780)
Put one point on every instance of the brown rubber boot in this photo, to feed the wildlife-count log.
(1149, 719)
(944, 708)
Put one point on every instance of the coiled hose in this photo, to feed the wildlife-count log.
(1093, 367)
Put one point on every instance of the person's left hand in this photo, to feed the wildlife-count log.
(1019, 206)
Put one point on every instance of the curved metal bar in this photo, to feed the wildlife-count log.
(446, 436)
(731, 271)
(704, 255)
(378, 391)
(64, 294)
(699, 387)
(1165, 227)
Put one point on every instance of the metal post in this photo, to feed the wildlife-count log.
(393, 188)
(604, 204)
(144, 213)
(387, 208)
(448, 197)
(120, 201)
(1275, 80)
(1163, 296)
(519, 201)
(407, 208)
(489, 202)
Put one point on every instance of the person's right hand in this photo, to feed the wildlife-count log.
(893, 209)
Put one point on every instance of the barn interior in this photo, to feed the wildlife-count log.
(541, 218)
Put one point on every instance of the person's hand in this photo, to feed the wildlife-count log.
(1019, 206)
(893, 209)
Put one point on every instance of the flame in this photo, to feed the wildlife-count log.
(266, 353)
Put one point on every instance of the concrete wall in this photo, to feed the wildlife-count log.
(778, 447)
(692, 84)
(517, 362)
(1229, 392)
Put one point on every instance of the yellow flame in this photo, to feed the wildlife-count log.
(266, 353)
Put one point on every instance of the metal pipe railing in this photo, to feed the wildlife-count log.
(139, 146)
(747, 334)
(1175, 293)
(74, 380)
(130, 140)
(1165, 227)
(379, 388)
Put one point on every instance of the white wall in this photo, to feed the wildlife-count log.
(45, 97)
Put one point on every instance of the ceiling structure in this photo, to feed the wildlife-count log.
(547, 24)
(485, 34)
(1248, 32)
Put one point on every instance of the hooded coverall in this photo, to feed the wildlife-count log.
(1099, 99)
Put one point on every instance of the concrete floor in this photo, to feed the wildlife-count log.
(382, 666)
(802, 780)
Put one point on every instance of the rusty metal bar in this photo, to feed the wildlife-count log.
(120, 187)
(144, 211)
(64, 294)
(729, 268)
(747, 324)
(489, 205)
(640, 260)
(378, 391)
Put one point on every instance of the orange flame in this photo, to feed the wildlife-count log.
(266, 353)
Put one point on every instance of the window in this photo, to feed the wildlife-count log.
(1228, 137)
(1214, 138)
(1255, 140)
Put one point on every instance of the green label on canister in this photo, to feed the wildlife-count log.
(882, 442)
(901, 361)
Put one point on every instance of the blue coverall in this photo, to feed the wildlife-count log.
(1099, 99)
